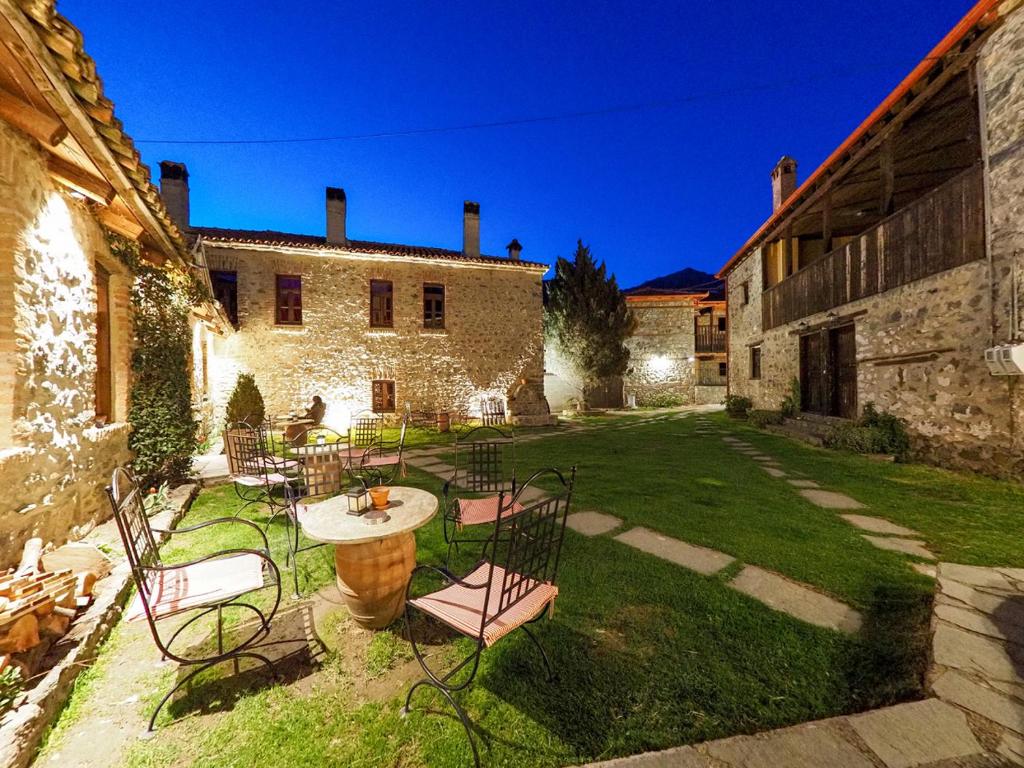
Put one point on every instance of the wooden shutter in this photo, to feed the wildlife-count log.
(104, 384)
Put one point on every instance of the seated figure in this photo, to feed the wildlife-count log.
(317, 410)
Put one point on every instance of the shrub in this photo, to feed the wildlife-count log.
(875, 432)
(663, 400)
(10, 687)
(246, 402)
(762, 419)
(163, 434)
(737, 406)
(791, 404)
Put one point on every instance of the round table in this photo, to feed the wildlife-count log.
(373, 562)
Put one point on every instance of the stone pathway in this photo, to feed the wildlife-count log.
(592, 523)
(696, 558)
(978, 648)
(830, 499)
(905, 546)
(878, 525)
(798, 600)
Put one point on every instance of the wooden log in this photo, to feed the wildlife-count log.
(80, 181)
(23, 116)
(54, 625)
(21, 635)
(77, 558)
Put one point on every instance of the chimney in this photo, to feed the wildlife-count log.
(174, 191)
(514, 249)
(336, 216)
(783, 181)
(471, 228)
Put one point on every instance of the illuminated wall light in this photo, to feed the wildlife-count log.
(660, 364)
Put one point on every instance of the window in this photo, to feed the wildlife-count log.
(755, 362)
(721, 324)
(225, 290)
(433, 305)
(382, 294)
(723, 369)
(745, 289)
(289, 300)
(383, 396)
(104, 388)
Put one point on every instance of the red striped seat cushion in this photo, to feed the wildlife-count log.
(193, 586)
(479, 511)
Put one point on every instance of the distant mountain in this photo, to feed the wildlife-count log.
(687, 279)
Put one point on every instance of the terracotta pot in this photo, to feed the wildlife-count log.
(379, 496)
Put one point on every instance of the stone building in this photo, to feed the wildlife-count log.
(369, 325)
(68, 174)
(888, 273)
(678, 350)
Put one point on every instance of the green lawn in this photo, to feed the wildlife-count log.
(649, 654)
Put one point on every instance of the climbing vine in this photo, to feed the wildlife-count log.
(163, 433)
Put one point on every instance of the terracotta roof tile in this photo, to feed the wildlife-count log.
(318, 242)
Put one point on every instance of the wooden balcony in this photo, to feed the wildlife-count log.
(942, 230)
(708, 338)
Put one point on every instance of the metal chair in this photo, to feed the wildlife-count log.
(485, 467)
(322, 454)
(206, 585)
(510, 588)
(367, 429)
(255, 472)
(492, 412)
(381, 461)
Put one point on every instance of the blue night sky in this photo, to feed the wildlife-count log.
(651, 191)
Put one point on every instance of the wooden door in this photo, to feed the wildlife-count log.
(814, 374)
(843, 354)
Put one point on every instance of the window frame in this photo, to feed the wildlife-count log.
(386, 389)
(279, 319)
(103, 382)
(723, 369)
(755, 362)
(745, 295)
(722, 324)
(439, 320)
(230, 308)
(387, 313)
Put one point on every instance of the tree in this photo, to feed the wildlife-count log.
(586, 315)
(246, 402)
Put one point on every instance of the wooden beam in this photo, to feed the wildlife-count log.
(23, 116)
(826, 221)
(80, 181)
(118, 223)
(887, 167)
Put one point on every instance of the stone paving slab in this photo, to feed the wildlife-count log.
(830, 499)
(878, 525)
(916, 734)
(678, 757)
(592, 523)
(977, 576)
(809, 746)
(925, 570)
(973, 654)
(1012, 748)
(965, 692)
(422, 462)
(975, 621)
(773, 471)
(911, 547)
(799, 601)
(699, 559)
(803, 484)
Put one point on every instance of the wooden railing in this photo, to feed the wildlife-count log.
(708, 338)
(708, 376)
(942, 230)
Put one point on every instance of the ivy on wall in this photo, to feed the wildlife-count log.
(163, 434)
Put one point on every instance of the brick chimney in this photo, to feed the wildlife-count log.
(174, 191)
(336, 216)
(514, 249)
(783, 181)
(471, 228)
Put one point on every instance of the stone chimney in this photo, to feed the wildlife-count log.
(783, 181)
(514, 249)
(174, 191)
(336, 216)
(471, 228)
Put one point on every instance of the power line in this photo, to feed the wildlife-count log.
(548, 118)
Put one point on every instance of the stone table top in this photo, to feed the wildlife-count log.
(328, 521)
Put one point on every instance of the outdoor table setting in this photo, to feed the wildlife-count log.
(374, 546)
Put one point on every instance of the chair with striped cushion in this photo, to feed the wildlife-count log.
(485, 467)
(510, 588)
(199, 588)
(258, 475)
(381, 461)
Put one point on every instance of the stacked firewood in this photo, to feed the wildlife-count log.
(40, 598)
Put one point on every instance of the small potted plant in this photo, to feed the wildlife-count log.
(379, 496)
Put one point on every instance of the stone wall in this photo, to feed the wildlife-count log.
(492, 345)
(920, 347)
(54, 461)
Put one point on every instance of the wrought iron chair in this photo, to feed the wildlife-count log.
(510, 588)
(322, 454)
(492, 412)
(206, 585)
(255, 472)
(485, 467)
(381, 461)
(367, 429)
